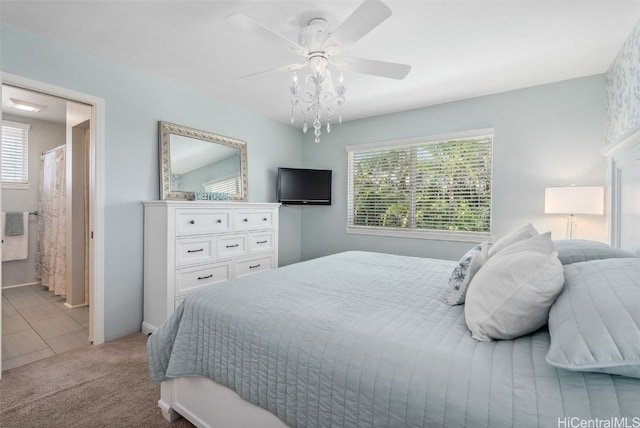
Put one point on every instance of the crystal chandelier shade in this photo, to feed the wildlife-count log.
(318, 100)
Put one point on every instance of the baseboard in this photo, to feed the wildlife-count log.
(148, 328)
(75, 306)
(20, 285)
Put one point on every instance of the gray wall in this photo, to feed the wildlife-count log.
(134, 105)
(545, 136)
(43, 136)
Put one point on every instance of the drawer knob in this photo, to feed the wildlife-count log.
(254, 266)
(233, 246)
(195, 251)
(205, 277)
(264, 219)
(192, 222)
(261, 242)
(245, 220)
(218, 221)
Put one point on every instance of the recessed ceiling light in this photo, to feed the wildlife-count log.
(24, 105)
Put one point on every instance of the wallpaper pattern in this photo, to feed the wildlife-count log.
(623, 90)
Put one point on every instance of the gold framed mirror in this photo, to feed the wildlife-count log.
(192, 160)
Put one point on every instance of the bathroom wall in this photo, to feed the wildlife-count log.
(77, 239)
(43, 136)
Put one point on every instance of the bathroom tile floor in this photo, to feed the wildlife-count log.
(37, 325)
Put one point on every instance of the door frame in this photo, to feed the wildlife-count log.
(96, 194)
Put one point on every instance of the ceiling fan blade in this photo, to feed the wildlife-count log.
(365, 18)
(391, 70)
(258, 29)
(290, 67)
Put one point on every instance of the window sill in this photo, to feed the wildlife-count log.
(19, 186)
(422, 234)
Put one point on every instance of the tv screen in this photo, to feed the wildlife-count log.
(298, 186)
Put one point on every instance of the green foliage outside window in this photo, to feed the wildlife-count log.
(444, 186)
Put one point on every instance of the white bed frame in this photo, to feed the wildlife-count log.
(208, 404)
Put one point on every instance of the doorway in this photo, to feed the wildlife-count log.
(83, 300)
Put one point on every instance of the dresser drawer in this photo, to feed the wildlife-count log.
(261, 241)
(247, 220)
(228, 246)
(253, 265)
(190, 251)
(191, 279)
(201, 222)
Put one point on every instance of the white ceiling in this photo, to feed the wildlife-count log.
(457, 49)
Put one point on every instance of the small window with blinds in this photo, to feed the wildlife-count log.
(228, 185)
(432, 187)
(15, 155)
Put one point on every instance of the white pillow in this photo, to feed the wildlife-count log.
(462, 274)
(525, 232)
(539, 243)
(511, 294)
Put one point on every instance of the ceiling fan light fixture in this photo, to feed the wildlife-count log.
(318, 98)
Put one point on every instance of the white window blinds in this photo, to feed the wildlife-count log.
(439, 186)
(15, 152)
(230, 186)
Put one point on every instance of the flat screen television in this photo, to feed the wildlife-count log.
(298, 186)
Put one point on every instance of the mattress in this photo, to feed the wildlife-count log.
(361, 339)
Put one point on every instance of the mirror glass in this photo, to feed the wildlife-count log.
(192, 160)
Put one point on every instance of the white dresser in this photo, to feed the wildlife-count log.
(189, 245)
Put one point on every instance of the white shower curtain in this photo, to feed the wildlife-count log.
(52, 235)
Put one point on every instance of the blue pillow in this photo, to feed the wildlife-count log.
(462, 274)
(595, 321)
(579, 250)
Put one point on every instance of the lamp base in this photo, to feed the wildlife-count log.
(572, 226)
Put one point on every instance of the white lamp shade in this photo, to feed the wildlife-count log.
(574, 200)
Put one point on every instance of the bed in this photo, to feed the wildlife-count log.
(366, 339)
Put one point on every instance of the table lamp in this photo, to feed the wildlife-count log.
(574, 200)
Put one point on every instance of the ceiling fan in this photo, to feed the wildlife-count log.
(321, 47)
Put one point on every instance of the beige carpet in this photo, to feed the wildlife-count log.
(95, 386)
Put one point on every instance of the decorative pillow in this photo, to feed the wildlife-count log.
(520, 234)
(511, 295)
(577, 250)
(595, 322)
(461, 276)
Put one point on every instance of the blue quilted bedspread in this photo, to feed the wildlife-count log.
(363, 339)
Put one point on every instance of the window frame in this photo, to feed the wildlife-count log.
(21, 185)
(446, 235)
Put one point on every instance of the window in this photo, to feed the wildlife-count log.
(229, 185)
(15, 154)
(432, 187)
